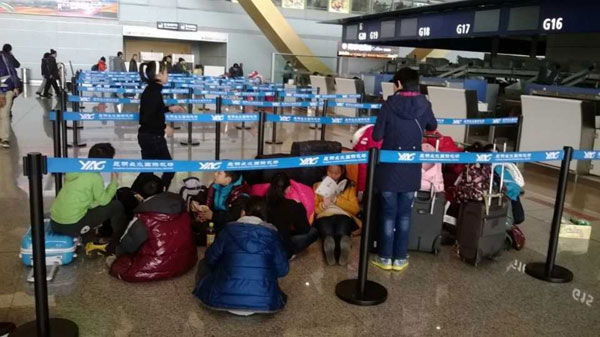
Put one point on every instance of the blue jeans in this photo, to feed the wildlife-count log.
(396, 208)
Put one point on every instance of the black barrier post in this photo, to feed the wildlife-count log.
(76, 127)
(218, 130)
(243, 126)
(190, 141)
(34, 166)
(315, 126)
(324, 114)
(63, 129)
(261, 134)
(362, 291)
(548, 271)
(274, 140)
(56, 126)
(519, 132)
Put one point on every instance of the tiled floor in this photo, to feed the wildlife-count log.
(435, 296)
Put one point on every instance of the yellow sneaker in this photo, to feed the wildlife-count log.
(400, 265)
(385, 264)
(92, 247)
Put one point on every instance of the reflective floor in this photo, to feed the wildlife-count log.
(435, 296)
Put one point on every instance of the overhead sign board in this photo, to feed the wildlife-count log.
(367, 51)
(177, 26)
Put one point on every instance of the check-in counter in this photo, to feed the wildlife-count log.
(551, 123)
(346, 86)
(453, 103)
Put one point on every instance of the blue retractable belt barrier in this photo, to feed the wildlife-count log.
(586, 155)
(478, 121)
(235, 93)
(321, 96)
(116, 100)
(165, 91)
(320, 120)
(60, 165)
(132, 117)
(412, 157)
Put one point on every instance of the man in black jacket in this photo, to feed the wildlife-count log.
(133, 66)
(45, 74)
(53, 75)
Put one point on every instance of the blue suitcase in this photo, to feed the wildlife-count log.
(60, 249)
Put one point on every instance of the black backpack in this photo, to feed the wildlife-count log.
(95, 67)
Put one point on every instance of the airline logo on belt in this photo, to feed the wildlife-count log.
(484, 157)
(92, 165)
(309, 161)
(210, 166)
(553, 155)
(406, 156)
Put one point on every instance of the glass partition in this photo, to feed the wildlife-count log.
(282, 71)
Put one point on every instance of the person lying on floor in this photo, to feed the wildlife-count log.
(224, 200)
(337, 208)
(289, 216)
(84, 204)
(241, 268)
(158, 243)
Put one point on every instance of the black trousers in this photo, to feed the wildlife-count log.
(335, 225)
(155, 147)
(95, 217)
(51, 82)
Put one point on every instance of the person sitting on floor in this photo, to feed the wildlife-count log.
(84, 204)
(241, 268)
(224, 200)
(158, 244)
(289, 216)
(336, 215)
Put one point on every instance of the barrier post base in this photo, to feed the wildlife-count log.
(78, 145)
(271, 142)
(80, 127)
(190, 143)
(374, 294)
(243, 127)
(59, 327)
(558, 275)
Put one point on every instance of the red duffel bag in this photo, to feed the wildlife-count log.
(169, 250)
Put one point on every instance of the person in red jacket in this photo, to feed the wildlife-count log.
(102, 64)
(159, 243)
(363, 141)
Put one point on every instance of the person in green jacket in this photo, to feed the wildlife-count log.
(84, 204)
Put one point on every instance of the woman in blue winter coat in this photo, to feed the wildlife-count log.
(241, 268)
(400, 124)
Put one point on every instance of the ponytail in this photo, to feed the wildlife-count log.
(149, 70)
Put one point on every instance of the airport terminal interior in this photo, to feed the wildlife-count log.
(258, 87)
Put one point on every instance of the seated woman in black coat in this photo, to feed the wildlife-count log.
(289, 217)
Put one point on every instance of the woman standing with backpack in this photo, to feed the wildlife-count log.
(151, 134)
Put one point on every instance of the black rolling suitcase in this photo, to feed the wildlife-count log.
(427, 217)
(481, 231)
(426, 222)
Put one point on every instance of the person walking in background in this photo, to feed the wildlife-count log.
(198, 71)
(168, 60)
(234, 71)
(133, 64)
(288, 72)
(10, 88)
(119, 63)
(102, 64)
(53, 75)
(45, 74)
(151, 134)
(180, 67)
(400, 124)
